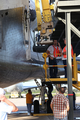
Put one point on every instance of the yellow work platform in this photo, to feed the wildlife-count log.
(75, 72)
(59, 80)
(43, 114)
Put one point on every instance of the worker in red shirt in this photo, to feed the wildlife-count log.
(64, 56)
(53, 52)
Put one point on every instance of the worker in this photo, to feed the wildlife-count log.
(74, 98)
(29, 101)
(60, 105)
(6, 106)
(53, 52)
(64, 56)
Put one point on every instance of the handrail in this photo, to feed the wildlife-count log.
(74, 69)
(74, 66)
(78, 62)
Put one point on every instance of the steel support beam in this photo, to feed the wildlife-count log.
(66, 6)
(73, 28)
(68, 3)
(69, 66)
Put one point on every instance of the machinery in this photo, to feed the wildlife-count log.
(44, 21)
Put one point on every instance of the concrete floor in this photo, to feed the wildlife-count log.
(23, 116)
(22, 113)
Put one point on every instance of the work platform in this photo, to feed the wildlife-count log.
(75, 82)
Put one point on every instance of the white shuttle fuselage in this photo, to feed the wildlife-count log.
(17, 60)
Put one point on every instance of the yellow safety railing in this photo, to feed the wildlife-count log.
(74, 70)
(78, 62)
(77, 85)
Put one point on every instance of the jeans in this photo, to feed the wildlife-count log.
(50, 89)
(64, 62)
(29, 108)
(65, 118)
(53, 70)
(74, 104)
